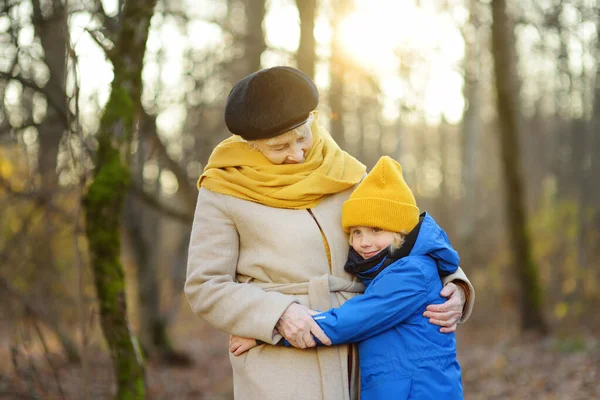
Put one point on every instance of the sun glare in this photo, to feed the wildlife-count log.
(373, 31)
(377, 31)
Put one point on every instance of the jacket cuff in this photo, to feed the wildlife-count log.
(459, 278)
(275, 312)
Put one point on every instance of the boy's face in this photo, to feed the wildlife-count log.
(368, 241)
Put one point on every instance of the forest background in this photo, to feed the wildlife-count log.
(109, 110)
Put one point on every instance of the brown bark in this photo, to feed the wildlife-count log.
(254, 41)
(306, 55)
(503, 49)
(470, 124)
(594, 171)
(104, 200)
(52, 32)
(337, 71)
(142, 233)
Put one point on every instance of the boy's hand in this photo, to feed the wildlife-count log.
(239, 345)
(447, 314)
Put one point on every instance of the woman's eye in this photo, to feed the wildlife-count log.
(376, 230)
(301, 139)
(356, 233)
(279, 148)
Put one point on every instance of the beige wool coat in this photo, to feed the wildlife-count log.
(247, 263)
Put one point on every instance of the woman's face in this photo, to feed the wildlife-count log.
(368, 241)
(289, 147)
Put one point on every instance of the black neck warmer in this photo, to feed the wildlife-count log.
(359, 266)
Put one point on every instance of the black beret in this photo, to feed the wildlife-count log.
(270, 102)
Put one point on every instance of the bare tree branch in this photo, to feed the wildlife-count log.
(36, 312)
(111, 24)
(85, 386)
(187, 190)
(99, 38)
(50, 96)
(153, 202)
(42, 199)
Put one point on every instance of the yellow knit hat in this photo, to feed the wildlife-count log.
(382, 200)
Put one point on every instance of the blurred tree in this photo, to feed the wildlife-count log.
(143, 211)
(471, 120)
(254, 43)
(507, 87)
(103, 201)
(51, 29)
(589, 214)
(594, 170)
(42, 76)
(566, 158)
(444, 204)
(251, 40)
(363, 122)
(306, 56)
(337, 73)
(142, 225)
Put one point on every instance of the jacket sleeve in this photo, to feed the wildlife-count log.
(237, 308)
(386, 303)
(464, 283)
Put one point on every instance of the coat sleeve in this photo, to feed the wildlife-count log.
(386, 303)
(464, 283)
(237, 308)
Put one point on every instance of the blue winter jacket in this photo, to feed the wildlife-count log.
(402, 355)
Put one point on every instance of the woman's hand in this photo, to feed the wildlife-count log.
(447, 314)
(298, 327)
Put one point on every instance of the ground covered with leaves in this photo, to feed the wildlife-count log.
(496, 365)
(529, 367)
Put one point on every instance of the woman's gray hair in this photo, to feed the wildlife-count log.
(300, 132)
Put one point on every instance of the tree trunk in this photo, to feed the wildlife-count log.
(142, 234)
(337, 71)
(104, 200)
(143, 227)
(590, 192)
(470, 125)
(503, 49)
(567, 171)
(444, 200)
(139, 225)
(254, 43)
(53, 35)
(306, 55)
(594, 170)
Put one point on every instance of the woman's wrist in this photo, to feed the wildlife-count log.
(465, 289)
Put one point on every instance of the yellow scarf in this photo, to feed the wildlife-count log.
(234, 169)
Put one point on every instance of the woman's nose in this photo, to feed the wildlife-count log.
(296, 155)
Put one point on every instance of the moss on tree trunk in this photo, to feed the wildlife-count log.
(103, 201)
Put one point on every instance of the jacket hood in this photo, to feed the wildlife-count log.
(426, 239)
(432, 241)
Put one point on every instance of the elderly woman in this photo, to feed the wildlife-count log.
(267, 242)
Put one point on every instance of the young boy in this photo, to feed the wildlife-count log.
(399, 256)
